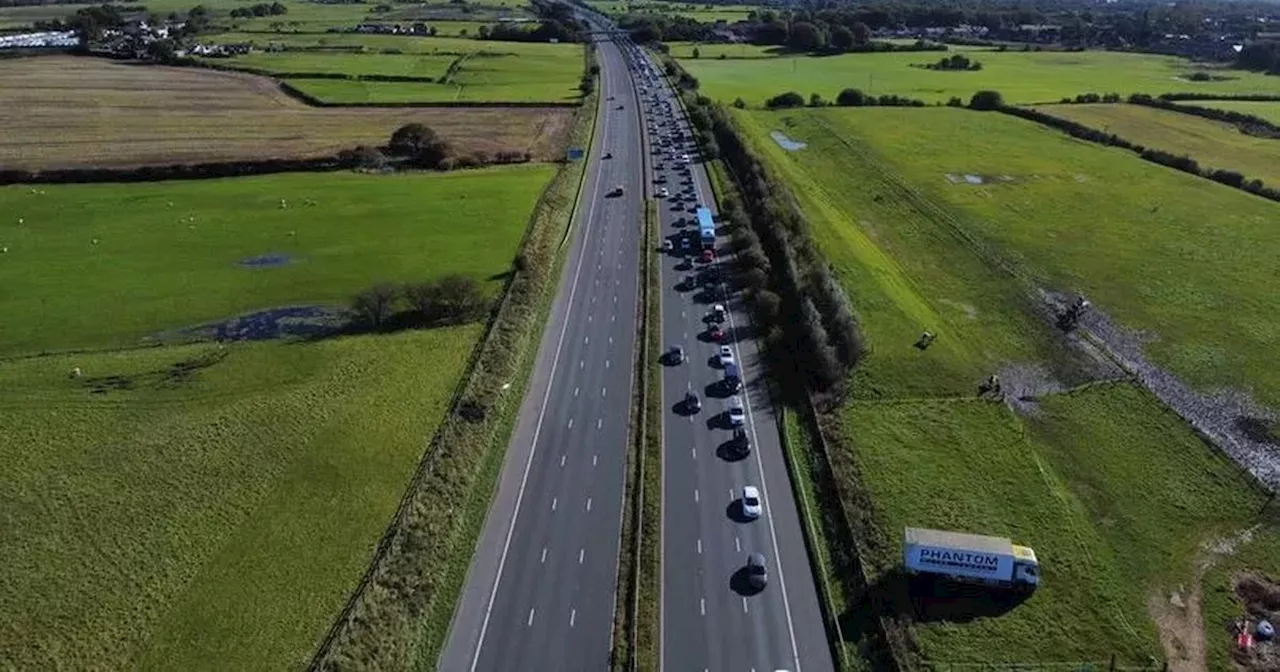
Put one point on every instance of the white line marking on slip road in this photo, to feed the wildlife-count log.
(544, 554)
(530, 623)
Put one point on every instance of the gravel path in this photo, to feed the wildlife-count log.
(1218, 415)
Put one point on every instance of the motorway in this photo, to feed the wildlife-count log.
(540, 590)
(710, 620)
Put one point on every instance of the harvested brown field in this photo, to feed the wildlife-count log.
(67, 112)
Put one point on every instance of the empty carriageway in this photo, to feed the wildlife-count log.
(540, 592)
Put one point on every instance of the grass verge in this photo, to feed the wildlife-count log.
(628, 604)
(649, 621)
(400, 615)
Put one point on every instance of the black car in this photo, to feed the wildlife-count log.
(692, 403)
(740, 446)
(757, 574)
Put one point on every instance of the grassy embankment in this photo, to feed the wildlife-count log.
(65, 112)
(1213, 144)
(1111, 489)
(187, 504)
(1031, 77)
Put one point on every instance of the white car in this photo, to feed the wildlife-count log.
(726, 355)
(663, 192)
(737, 416)
(751, 505)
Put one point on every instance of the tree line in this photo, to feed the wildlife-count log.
(991, 100)
(846, 98)
(812, 334)
(260, 9)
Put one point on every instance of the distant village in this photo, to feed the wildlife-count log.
(135, 38)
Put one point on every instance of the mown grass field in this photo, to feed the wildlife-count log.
(167, 267)
(1213, 144)
(1031, 77)
(1111, 489)
(219, 519)
(63, 112)
(1266, 110)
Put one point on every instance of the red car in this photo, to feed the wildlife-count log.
(707, 256)
(714, 333)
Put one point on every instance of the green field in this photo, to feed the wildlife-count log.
(348, 64)
(490, 72)
(184, 504)
(163, 271)
(1153, 247)
(220, 517)
(1022, 77)
(1110, 488)
(360, 44)
(1214, 144)
(547, 78)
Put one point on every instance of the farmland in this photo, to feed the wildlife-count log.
(172, 266)
(1111, 489)
(1213, 144)
(484, 71)
(75, 112)
(1030, 77)
(198, 502)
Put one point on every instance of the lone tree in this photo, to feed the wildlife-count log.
(373, 306)
(420, 144)
(986, 100)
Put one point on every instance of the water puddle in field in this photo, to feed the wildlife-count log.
(282, 322)
(266, 261)
(970, 178)
(785, 142)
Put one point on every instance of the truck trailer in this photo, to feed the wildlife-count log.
(972, 558)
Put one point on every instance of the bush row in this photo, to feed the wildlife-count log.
(1247, 123)
(846, 98)
(813, 338)
(1184, 163)
(363, 157)
(1256, 97)
(452, 299)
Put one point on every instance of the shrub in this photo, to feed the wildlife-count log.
(986, 100)
(785, 100)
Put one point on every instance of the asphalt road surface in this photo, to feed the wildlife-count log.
(540, 590)
(711, 620)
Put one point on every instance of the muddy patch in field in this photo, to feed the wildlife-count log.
(1178, 614)
(1023, 383)
(175, 375)
(265, 325)
(786, 142)
(271, 260)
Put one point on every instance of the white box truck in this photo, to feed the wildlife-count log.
(973, 558)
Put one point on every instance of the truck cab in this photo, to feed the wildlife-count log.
(1026, 569)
